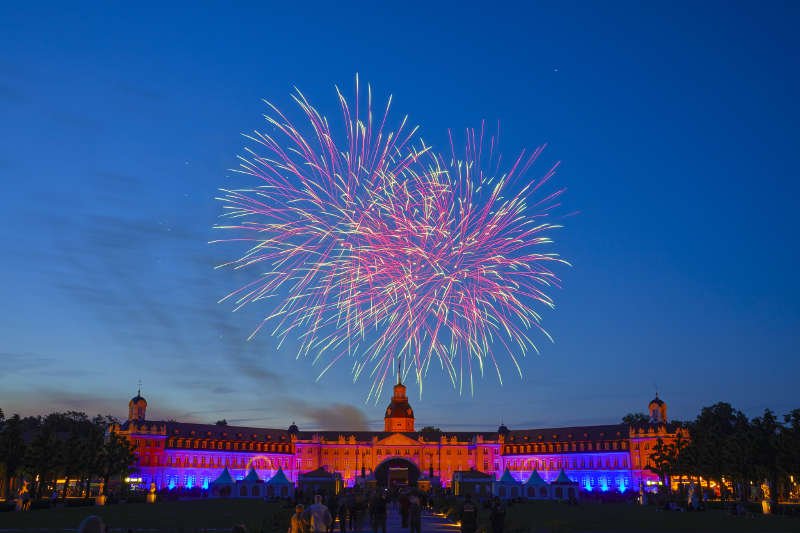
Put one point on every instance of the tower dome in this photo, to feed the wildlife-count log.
(399, 417)
(658, 410)
(137, 407)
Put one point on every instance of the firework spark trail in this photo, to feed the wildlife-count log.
(379, 249)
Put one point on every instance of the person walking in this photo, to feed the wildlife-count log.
(414, 514)
(342, 513)
(403, 503)
(377, 513)
(319, 516)
(469, 515)
(298, 522)
(354, 511)
(497, 516)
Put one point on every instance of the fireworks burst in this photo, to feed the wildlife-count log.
(376, 248)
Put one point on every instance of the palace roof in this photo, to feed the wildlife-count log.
(188, 430)
(213, 431)
(575, 433)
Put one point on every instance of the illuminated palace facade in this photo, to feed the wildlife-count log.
(599, 458)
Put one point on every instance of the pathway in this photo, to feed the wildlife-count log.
(430, 524)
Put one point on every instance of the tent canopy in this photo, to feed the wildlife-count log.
(279, 478)
(508, 479)
(563, 479)
(252, 476)
(535, 480)
(224, 478)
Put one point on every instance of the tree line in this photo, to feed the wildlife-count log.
(69, 446)
(735, 451)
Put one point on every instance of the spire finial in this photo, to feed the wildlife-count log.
(139, 391)
(399, 372)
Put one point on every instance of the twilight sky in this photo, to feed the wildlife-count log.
(677, 126)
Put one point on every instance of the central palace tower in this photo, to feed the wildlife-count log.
(399, 416)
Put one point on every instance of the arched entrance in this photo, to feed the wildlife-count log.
(396, 472)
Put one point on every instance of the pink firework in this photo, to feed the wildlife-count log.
(459, 275)
(377, 250)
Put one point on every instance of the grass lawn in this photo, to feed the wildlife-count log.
(185, 516)
(595, 518)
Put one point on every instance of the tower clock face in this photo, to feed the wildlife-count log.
(388, 411)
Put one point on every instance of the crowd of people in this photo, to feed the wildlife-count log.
(355, 511)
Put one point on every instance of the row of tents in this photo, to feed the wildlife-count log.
(252, 486)
(472, 482)
(507, 488)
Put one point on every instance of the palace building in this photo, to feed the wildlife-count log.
(613, 457)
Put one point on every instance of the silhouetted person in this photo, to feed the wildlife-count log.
(92, 524)
(414, 514)
(298, 522)
(319, 516)
(403, 504)
(497, 516)
(377, 513)
(469, 516)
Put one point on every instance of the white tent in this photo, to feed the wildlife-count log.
(223, 485)
(536, 488)
(563, 488)
(251, 486)
(507, 487)
(279, 487)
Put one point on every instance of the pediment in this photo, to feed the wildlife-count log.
(398, 439)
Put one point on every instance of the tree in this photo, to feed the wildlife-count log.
(115, 458)
(714, 443)
(12, 451)
(431, 433)
(766, 433)
(635, 419)
(662, 461)
(222, 422)
(41, 458)
(73, 449)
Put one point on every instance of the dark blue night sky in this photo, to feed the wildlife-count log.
(677, 126)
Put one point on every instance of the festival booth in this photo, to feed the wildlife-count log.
(279, 486)
(507, 488)
(563, 488)
(251, 486)
(320, 481)
(536, 488)
(223, 486)
(472, 482)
